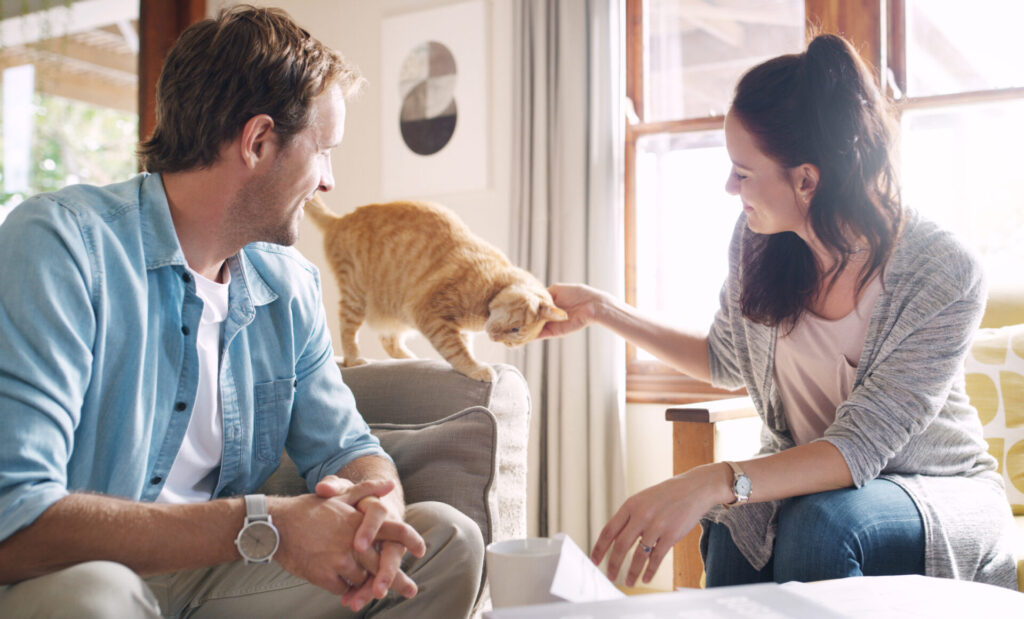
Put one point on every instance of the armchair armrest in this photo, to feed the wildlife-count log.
(713, 411)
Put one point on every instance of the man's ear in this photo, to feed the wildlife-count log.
(805, 181)
(257, 135)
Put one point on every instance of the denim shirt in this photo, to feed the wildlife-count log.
(98, 362)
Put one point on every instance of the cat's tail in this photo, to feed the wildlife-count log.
(319, 212)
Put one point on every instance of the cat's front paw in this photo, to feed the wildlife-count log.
(484, 373)
(351, 362)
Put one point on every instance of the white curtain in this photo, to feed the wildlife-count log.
(567, 227)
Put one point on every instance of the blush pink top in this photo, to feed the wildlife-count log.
(816, 362)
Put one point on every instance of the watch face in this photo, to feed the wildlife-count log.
(258, 540)
(742, 486)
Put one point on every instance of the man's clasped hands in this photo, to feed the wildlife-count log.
(348, 538)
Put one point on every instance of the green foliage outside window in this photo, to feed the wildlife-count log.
(75, 142)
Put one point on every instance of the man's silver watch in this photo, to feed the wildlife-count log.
(741, 486)
(258, 540)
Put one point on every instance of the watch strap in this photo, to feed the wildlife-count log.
(736, 470)
(256, 508)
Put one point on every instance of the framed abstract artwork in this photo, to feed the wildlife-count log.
(434, 116)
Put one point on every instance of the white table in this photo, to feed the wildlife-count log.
(896, 597)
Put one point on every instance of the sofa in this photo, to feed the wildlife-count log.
(453, 439)
(994, 375)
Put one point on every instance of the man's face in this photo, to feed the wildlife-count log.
(270, 205)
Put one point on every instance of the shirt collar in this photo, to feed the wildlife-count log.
(159, 240)
(161, 246)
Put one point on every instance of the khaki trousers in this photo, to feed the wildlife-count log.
(448, 577)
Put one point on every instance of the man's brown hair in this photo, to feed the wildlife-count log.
(221, 72)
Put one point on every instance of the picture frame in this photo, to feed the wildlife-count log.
(434, 108)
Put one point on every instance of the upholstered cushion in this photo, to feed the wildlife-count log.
(995, 384)
(451, 460)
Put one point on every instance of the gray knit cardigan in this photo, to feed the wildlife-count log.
(907, 419)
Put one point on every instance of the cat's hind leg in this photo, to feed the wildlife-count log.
(352, 312)
(394, 345)
(453, 345)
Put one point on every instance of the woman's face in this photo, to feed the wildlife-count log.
(774, 198)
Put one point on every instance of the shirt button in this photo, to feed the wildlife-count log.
(156, 480)
(184, 329)
(186, 277)
(180, 406)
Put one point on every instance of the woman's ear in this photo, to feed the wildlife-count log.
(805, 181)
(256, 135)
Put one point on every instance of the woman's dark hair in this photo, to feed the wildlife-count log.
(221, 72)
(820, 107)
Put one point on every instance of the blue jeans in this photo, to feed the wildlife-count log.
(875, 530)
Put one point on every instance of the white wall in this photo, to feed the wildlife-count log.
(353, 27)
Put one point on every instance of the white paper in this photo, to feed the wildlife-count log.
(874, 597)
(760, 601)
(908, 597)
(577, 579)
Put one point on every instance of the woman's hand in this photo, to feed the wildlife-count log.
(580, 302)
(659, 517)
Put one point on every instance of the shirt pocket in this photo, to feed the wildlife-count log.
(273, 414)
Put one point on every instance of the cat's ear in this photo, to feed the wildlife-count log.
(552, 313)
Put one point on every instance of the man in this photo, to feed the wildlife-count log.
(159, 347)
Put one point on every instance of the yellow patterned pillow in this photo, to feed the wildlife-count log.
(995, 384)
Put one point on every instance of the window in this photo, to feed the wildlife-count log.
(685, 58)
(954, 73)
(958, 78)
(78, 89)
(69, 94)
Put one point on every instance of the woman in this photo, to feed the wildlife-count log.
(847, 319)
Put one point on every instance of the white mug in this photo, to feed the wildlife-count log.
(520, 571)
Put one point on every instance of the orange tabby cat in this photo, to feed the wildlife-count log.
(406, 265)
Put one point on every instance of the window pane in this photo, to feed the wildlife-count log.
(960, 167)
(69, 93)
(684, 222)
(696, 50)
(953, 46)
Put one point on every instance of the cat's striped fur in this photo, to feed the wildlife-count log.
(405, 265)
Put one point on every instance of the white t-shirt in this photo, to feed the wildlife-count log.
(193, 475)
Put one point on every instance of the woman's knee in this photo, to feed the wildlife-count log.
(872, 530)
(93, 589)
(815, 541)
